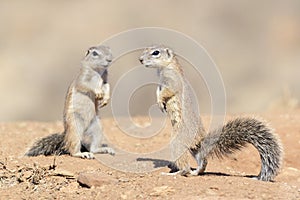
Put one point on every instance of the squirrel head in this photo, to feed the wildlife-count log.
(98, 56)
(157, 56)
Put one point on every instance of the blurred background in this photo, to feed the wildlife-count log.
(255, 44)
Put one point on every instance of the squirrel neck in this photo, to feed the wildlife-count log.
(173, 71)
(98, 69)
(174, 65)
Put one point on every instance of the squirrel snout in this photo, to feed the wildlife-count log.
(141, 60)
(109, 59)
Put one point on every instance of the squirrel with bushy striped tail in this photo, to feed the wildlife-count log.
(89, 92)
(174, 98)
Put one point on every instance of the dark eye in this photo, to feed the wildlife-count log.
(95, 53)
(155, 53)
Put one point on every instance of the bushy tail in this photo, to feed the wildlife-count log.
(50, 145)
(237, 133)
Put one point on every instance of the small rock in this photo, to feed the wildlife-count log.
(293, 169)
(95, 179)
(124, 180)
(27, 174)
(109, 173)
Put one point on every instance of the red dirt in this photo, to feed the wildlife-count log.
(34, 177)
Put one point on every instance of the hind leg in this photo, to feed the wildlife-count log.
(95, 132)
(180, 166)
(201, 162)
(74, 132)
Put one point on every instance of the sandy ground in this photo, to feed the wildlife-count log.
(56, 177)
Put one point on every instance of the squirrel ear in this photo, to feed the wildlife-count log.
(169, 53)
(87, 52)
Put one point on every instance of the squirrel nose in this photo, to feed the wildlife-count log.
(141, 60)
(109, 58)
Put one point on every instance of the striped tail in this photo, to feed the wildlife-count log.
(237, 133)
(50, 145)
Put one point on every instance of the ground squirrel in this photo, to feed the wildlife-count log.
(174, 96)
(86, 95)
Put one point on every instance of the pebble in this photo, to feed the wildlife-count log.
(95, 179)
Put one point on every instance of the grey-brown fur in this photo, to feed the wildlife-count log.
(52, 144)
(86, 95)
(235, 135)
(174, 97)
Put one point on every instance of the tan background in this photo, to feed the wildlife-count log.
(256, 46)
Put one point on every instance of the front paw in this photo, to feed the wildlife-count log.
(99, 94)
(162, 106)
(103, 103)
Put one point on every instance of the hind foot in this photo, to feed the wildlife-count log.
(86, 155)
(105, 150)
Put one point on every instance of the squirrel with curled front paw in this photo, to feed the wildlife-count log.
(82, 127)
(174, 97)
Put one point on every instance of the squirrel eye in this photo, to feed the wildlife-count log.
(155, 53)
(95, 53)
